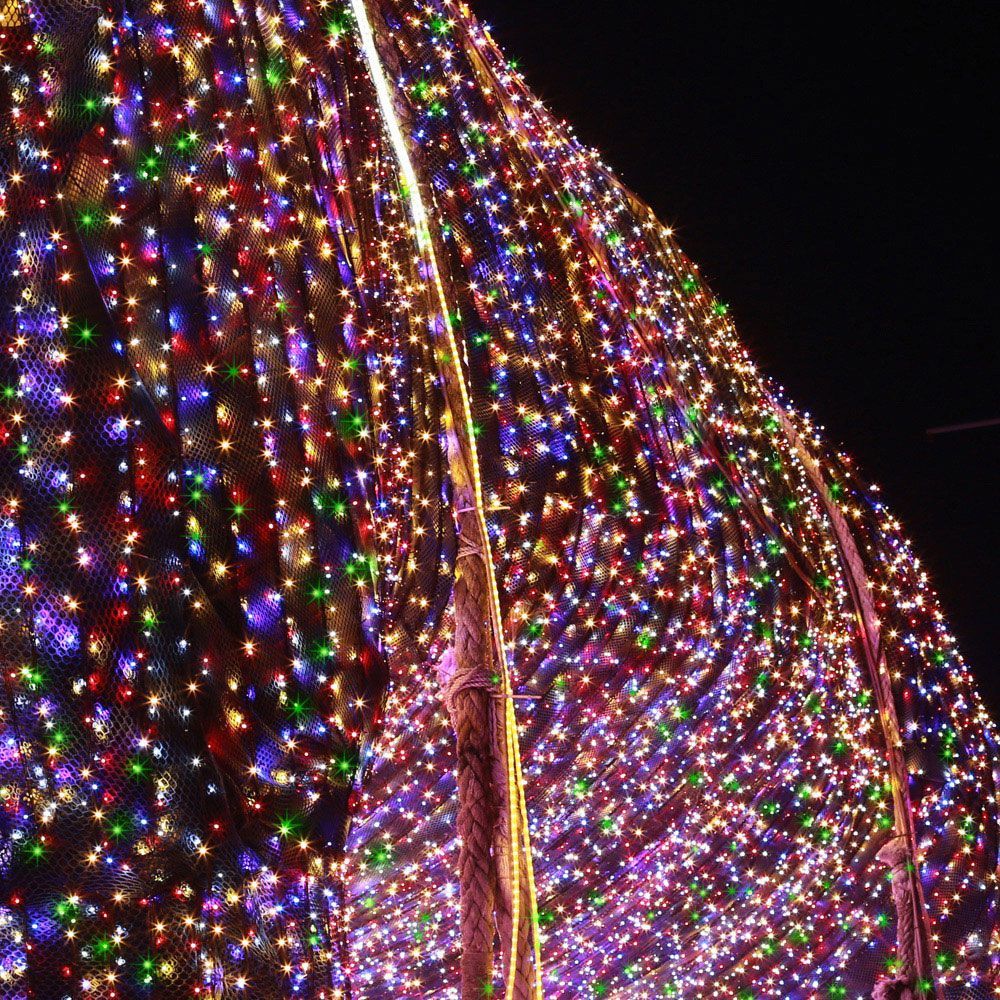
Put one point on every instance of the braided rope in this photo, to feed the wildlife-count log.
(896, 856)
(468, 696)
(471, 516)
(477, 711)
(915, 943)
(522, 967)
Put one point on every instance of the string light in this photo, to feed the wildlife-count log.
(240, 242)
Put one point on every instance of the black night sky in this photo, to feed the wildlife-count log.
(829, 169)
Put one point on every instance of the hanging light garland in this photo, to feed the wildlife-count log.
(251, 252)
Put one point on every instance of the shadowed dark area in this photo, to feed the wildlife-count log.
(832, 176)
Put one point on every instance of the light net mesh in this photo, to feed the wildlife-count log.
(227, 547)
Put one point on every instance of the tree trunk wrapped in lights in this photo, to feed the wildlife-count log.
(329, 357)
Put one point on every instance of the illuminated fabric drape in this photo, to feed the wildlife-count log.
(227, 546)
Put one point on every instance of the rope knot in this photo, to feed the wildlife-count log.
(453, 681)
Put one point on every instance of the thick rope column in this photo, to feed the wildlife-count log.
(502, 841)
(903, 984)
(475, 703)
(478, 692)
(469, 688)
(914, 937)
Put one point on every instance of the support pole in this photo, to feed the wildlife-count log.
(483, 714)
(476, 703)
(914, 947)
(469, 688)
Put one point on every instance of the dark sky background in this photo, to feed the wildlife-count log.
(830, 169)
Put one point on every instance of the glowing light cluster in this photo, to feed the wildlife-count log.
(226, 546)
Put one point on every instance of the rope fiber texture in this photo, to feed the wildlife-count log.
(470, 700)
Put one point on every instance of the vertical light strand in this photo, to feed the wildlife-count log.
(516, 804)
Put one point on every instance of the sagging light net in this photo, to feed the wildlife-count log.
(227, 548)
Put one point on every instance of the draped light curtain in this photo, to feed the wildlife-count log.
(227, 548)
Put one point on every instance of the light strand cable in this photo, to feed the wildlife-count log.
(516, 803)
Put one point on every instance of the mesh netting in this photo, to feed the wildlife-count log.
(227, 548)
